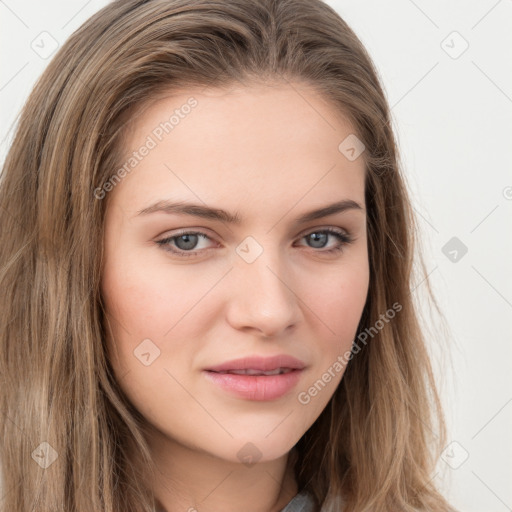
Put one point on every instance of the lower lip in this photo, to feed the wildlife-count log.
(256, 387)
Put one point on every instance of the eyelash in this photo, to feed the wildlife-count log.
(344, 238)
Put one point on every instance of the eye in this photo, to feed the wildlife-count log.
(184, 241)
(319, 237)
(184, 244)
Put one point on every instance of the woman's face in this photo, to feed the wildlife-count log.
(271, 284)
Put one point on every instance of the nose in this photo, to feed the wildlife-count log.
(262, 297)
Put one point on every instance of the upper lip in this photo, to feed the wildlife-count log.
(259, 363)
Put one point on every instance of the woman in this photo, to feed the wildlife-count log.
(206, 265)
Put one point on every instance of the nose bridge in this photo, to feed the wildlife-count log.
(263, 297)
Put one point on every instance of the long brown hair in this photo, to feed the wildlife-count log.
(70, 440)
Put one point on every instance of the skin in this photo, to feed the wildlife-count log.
(269, 153)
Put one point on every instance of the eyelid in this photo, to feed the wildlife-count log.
(206, 232)
(327, 227)
(187, 231)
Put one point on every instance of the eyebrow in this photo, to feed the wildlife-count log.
(206, 212)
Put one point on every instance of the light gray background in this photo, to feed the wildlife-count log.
(452, 109)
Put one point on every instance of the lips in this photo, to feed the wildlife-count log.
(257, 365)
(257, 378)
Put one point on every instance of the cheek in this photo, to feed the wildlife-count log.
(146, 299)
(336, 309)
(162, 303)
(347, 302)
(336, 299)
(143, 306)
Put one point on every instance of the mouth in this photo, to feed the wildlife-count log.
(254, 372)
(257, 378)
(254, 365)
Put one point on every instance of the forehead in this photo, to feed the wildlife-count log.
(240, 145)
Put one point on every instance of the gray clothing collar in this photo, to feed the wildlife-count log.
(302, 502)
